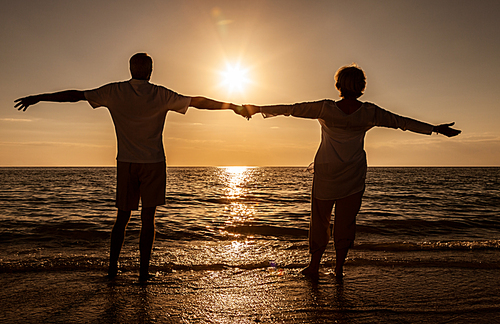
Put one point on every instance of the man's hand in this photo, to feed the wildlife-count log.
(446, 130)
(24, 103)
(61, 96)
(252, 109)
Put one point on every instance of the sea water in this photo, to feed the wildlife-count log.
(224, 228)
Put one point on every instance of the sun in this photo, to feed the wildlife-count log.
(234, 78)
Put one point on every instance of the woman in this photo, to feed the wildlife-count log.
(340, 163)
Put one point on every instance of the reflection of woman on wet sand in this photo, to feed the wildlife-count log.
(340, 162)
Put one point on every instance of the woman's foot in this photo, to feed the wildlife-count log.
(341, 256)
(310, 272)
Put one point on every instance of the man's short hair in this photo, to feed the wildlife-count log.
(350, 81)
(141, 66)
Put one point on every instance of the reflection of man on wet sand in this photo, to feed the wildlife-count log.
(138, 109)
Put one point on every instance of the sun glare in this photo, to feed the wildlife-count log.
(236, 169)
(234, 78)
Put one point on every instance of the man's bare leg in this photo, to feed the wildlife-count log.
(117, 238)
(146, 240)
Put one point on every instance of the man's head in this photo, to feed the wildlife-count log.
(141, 66)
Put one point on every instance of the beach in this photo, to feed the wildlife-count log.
(230, 245)
(366, 295)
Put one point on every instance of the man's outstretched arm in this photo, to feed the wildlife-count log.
(61, 96)
(205, 103)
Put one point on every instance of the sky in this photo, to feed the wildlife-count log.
(437, 61)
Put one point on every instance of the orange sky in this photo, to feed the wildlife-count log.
(436, 61)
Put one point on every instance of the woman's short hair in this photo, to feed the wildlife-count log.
(350, 80)
(141, 66)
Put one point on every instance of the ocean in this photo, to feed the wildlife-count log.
(231, 241)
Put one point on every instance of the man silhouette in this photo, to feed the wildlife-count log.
(138, 109)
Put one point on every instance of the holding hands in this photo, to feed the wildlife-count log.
(242, 111)
(252, 109)
(246, 111)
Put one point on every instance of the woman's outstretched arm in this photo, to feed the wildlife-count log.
(386, 118)
(304, 109)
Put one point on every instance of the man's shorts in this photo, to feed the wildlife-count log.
(144, 181)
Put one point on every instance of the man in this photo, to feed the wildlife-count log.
(138, 109)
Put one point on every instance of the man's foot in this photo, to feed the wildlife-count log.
(145, 277)
(339, 273)
(112, 272)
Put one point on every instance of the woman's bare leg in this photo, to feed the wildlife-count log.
(312, 269)
(346, 210)
(340, 256)
(319, 233)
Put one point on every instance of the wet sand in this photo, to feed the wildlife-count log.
(366, 295)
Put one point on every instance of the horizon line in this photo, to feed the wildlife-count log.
(249, 166)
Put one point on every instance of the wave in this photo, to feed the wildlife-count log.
(430, 246)
(93, 263)
(414, 226)
(293, 225)
(188, 200)
(361, 262)
(96, 264)
(267, 230)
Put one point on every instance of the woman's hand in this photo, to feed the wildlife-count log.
(446, 130)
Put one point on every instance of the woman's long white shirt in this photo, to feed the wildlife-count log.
(340, 163)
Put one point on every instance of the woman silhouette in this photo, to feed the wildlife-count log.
(340, 162)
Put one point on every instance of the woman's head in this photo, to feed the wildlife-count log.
(350, 80)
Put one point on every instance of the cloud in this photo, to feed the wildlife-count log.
(65, 144)
(479, 138)
(15, 120)
(194, 141)
(470, 150)
(224, 22)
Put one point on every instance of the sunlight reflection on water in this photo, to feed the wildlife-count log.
(235, 180)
